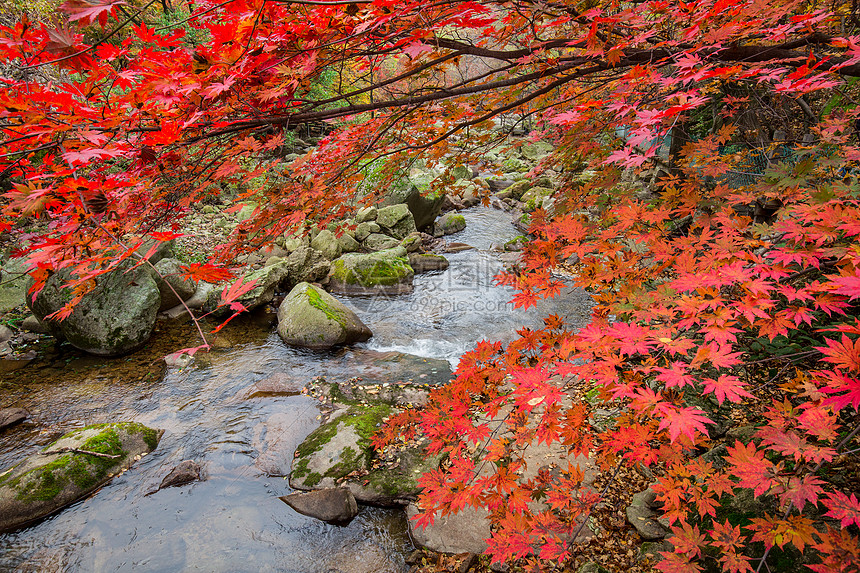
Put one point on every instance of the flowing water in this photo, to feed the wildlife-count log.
(233, 521)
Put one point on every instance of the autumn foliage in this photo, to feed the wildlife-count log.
(725, 315)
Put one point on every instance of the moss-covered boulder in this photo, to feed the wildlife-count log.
(396, 221)
(312, 318)
(70, 469)
(383, 272)
(451, 223)
(13, 283)
(116, 317)
(339, 453)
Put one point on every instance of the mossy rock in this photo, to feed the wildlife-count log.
(396, 221)
(339, 453)
(380, 242)
(383, 272)
(312, 318)
(116, 317)
(451, 223)
(62, 473)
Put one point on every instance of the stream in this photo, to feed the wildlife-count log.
(233, 520)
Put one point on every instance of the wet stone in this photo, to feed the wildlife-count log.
(335, 505)
(11, 416)
(186, 472)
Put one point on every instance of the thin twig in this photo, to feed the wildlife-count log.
(78, 451)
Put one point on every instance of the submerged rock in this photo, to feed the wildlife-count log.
(116, 317)
(69, 469)
(186, 472)
(335, 505)
(384, 272)
(312, 318)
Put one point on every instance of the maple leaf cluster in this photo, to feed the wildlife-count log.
(708, 311)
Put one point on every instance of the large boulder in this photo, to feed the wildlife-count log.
(114, 318)
(340, 453)
(366, 228)
(383, 272)
(172, 286)
(69, 469)
(396, 221)
(312, 318)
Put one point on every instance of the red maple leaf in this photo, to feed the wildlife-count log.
(842, 507)
(89, 11)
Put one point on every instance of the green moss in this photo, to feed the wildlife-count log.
(364, 420)
(375, 272)
(84, 471)
(316, 301)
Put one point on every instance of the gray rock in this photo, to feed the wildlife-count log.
(497, 185)
(536, 150)
(172, 286)
(396, 220)
(459, 172)
(63, 473)
(365, 229)
(335, 505)
(326, 243)
(206, 295)
(366, 214)
(422, 263)
(463, 532)
(424, 209)
(186, 472)
(643, 517)
(413, 242)
(246, 212)
(278, 384)
(115, 318)
(268, 279)
(5, 333)
(383, 272)
(13, 283)
(11, 416)
(451, 223)
(312, 318)
(348, 244)
(306, 265)
(380, 242)
(33, 324)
